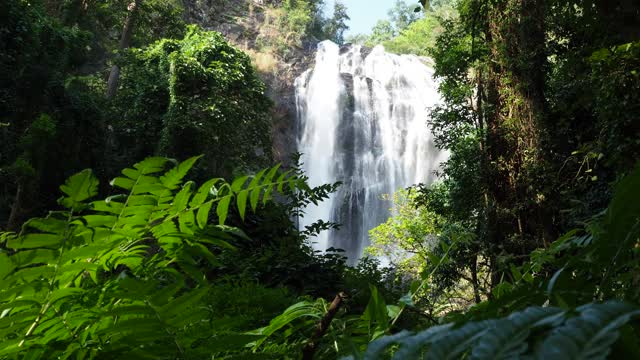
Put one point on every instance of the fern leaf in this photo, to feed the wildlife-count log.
(376, 348)
(590, 335)
(293, 312)
(242, 202)
(31, 241)
(224, 342)
(412, 346)
(78, 188)
(281, 180)
(31, 257)
(130, 310)
(255, 196)
(123, 183)
(181, 304)
(134, 200)
(255, 181)
(269, 177)
(164, 294)
(27, 275)
(202, 216)
(266, 196)
(151, 165)
(222, 210)
(454, 343)
(172, 178)
(48, 224)
(186, 222)
(63, 293)
(156, 189)
(131, 173)
(238, 183)
(181, 199)
(508, 339)
(203, 192)
(112, 207)
(100, 220)
(6, 265)
(10, 347)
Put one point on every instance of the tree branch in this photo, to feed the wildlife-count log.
(323, 326)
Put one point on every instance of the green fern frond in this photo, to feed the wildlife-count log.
(122, 277)
(589, 335)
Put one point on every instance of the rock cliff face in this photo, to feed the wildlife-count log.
(248, 25)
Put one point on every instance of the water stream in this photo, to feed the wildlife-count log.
(362, 120)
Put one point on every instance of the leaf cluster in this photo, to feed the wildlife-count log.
(125, 276)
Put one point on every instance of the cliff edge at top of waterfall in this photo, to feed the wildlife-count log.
(278, 56)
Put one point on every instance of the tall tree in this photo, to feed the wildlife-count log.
(519, 218)
(402, 15)
(337, 25)
(125, 41)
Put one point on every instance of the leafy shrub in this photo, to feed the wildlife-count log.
(196, 95)
(125, 276)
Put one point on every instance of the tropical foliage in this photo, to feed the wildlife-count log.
(526, 247)
(191, 96)
(125, 276)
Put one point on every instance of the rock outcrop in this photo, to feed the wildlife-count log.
(248, 25)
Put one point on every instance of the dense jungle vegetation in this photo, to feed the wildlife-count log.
(528, 245)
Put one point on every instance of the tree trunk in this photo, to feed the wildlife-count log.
(13, 222)
(474, 279)
(516, 126)
(125, 41)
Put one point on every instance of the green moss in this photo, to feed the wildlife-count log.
(196, 95)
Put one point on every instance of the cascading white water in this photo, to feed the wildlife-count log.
(362, 120)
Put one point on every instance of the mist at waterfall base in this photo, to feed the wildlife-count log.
(362, 120)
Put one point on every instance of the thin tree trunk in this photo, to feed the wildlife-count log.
(125, 41)
(474, 278)
(323, 326)
(12, 223)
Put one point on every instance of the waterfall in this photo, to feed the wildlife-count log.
(362, 120)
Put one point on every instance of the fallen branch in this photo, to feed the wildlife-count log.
(323, 326)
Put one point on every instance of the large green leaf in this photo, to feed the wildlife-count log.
(31, 241)
(508, 339)
(203, 192)
(180, 305)
(242, 202)
(151, 165)
(269, 176)
(48, 224)
(238, 183)
(590, 335)
(376, 314)
(32, 257)
(172, 178)
(6, 265)
(203, 214)
(255, 197)
(181, 200)
(452, 344)
(222, 210)
(292, 313)
(78, 188)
